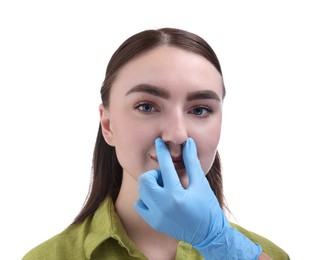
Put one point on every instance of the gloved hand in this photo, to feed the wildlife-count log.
(192, 215)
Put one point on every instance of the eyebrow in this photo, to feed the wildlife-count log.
(152, 90)
(203, 94)
(163, 93)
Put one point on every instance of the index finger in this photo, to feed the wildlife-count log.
(168, 172)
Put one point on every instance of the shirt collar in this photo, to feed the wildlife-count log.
(106, 224)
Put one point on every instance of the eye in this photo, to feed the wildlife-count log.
(201, 111)
(145, 107)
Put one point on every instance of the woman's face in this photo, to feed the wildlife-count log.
(168, 93)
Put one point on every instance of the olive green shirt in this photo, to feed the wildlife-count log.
(103, 237)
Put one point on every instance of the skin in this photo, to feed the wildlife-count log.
(168, 93)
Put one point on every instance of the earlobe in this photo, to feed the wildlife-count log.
(106, 125)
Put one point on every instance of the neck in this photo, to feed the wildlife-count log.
(144, 237)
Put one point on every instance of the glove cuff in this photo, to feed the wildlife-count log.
(229, 244)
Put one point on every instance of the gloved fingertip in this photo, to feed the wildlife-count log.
(158, 141)
(160, 145)
(189, 139)
(190, 146)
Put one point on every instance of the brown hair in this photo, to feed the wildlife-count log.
(106, 170)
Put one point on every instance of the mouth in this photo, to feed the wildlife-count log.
(178, 162)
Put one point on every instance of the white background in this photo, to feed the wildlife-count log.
(52, 61)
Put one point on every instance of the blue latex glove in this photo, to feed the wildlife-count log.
(192, 215)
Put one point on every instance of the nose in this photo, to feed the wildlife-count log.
(174, 129)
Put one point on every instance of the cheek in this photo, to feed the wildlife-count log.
(207, 144)
(133, 141)
(131, 134)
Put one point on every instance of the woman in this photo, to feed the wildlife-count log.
(156, 190)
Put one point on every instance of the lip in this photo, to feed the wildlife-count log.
(178, 162)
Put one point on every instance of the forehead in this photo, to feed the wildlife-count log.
(169, 67)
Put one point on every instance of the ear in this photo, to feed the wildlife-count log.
(106, 125)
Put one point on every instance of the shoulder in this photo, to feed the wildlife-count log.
(78, 241)
(65, 245)
(268, 247)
